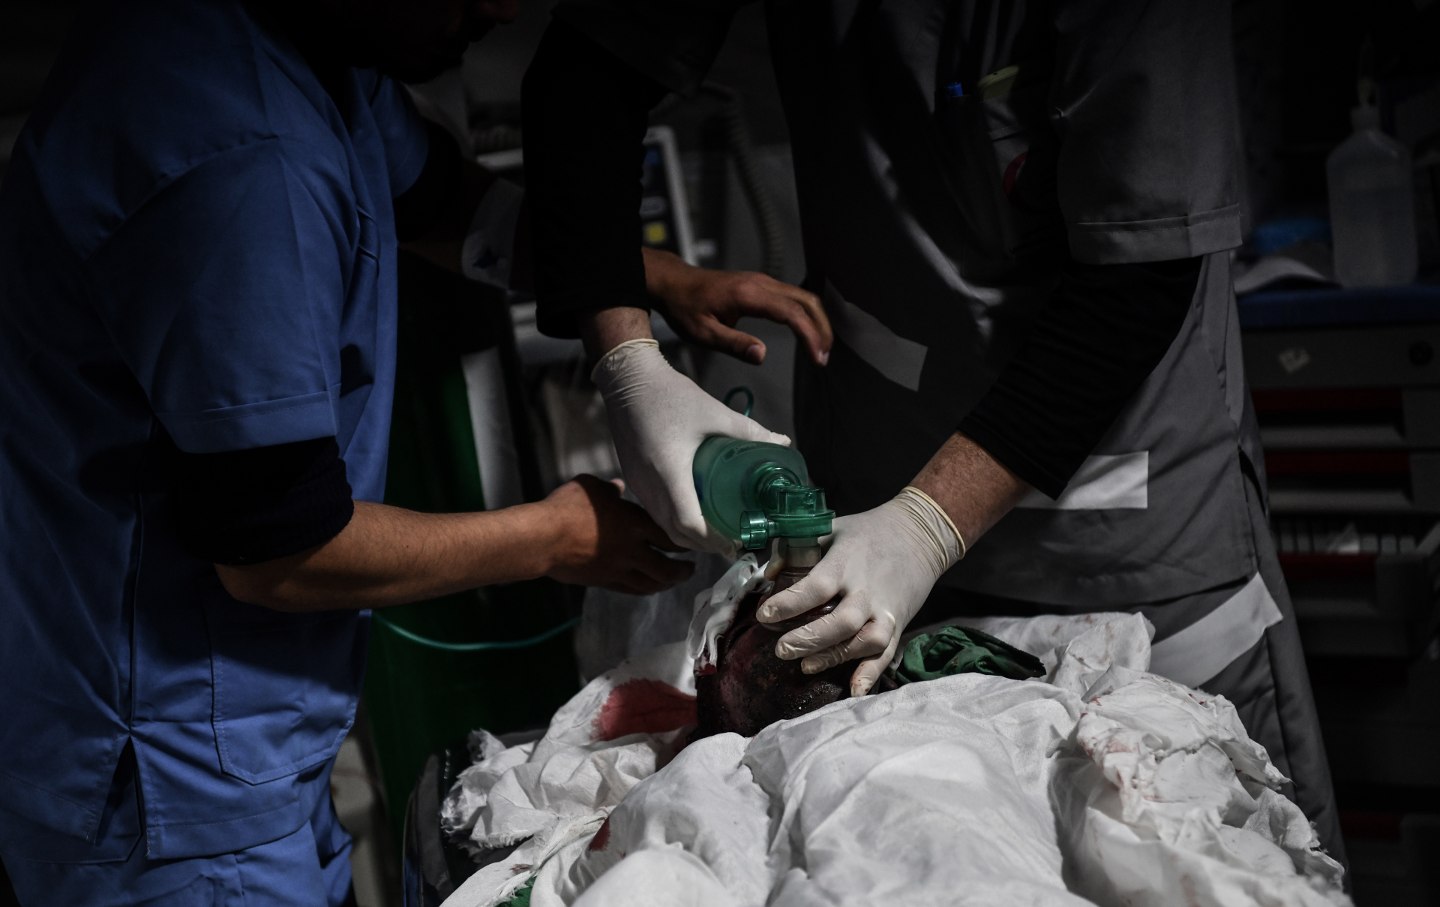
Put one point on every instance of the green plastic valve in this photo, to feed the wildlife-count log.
(753, 492)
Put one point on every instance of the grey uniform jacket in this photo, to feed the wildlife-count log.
(948, 157)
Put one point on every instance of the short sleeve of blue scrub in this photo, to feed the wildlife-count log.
(232, 330)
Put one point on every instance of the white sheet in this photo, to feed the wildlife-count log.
(1100, 784)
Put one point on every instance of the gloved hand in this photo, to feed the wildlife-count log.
(658, 418)
(882, 563)
(487, 253)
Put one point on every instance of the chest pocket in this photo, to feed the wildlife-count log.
(1000, 151)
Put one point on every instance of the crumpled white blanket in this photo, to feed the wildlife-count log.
(1100, 784)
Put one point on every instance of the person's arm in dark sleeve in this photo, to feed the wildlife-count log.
(584, 119)
(1029, 409)
(254, 505)
(1090, 349)
(585, 173)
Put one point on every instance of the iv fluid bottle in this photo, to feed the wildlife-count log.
(1372, 206)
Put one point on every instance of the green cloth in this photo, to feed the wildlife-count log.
(520, 898)
(959, 650)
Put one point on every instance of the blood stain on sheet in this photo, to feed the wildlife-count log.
(602, 837)
(643, 706)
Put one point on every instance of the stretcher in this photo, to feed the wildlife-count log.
(1099, 783)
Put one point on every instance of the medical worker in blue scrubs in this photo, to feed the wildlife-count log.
(198, 239)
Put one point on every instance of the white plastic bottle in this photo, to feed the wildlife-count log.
(1372, 206)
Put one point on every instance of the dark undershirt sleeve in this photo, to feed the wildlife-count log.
(418, 207)
(251, 506)
(1091, 348)
(584, 118)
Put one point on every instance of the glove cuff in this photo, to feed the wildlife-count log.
(623, 359)
(948, 545)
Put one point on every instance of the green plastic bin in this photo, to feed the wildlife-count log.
(501, 657)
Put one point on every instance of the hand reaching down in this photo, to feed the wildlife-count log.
(703, 305)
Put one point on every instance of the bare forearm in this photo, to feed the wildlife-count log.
(390, 556)
(606, 329)
(972, 487)
(666, 277)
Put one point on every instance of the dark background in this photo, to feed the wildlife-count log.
(1298, 63)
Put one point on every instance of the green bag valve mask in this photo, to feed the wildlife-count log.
(754, 492)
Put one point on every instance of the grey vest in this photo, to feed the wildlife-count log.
(933, 232)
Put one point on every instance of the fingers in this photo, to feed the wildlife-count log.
(687, 526)
(687, 530)
(690, 527)
(651, 531)
(872, 639)
(665, 571)
(765, 297)
(869, 670)
(747, 429)
(815, 310)
(632, 528)
(676, 540)
(632, 554)
(656, 538)
(737, 343)
(822, 633)
(802, 313)
(649, 578)
(593, 484)
(811, 592)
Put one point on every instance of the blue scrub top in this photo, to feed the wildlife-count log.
(197, 253)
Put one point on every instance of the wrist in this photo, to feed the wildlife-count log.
(664, 273)
(608, 328)
(972, 488)
(941, 542)
(545, 533)
(624, 361)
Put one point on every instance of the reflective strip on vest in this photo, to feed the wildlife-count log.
(1206, 647)
(1103, 482)
(897, 358)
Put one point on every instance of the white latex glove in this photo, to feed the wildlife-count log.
(488, 250)
(882, 563)
(658, 418)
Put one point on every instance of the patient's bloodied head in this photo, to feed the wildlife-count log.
(750, 687)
